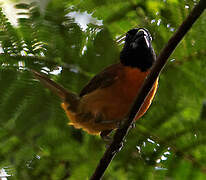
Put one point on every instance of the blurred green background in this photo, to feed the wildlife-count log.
(72, 40)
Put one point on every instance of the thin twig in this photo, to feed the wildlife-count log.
(120, 134)
(31, 61)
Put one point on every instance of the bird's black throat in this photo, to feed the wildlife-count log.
(137, 51)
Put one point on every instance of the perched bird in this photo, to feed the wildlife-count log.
(106, 100)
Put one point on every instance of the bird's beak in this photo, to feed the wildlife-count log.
(145, 36)
(146, 41)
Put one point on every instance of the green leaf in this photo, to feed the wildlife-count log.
(35, 140)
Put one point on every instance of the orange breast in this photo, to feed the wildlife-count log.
(104, 108)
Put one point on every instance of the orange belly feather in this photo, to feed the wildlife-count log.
(104, 108)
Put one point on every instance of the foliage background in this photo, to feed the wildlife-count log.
(35, 141)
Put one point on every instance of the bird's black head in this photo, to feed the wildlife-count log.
(137, 50)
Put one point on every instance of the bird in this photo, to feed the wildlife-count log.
(105, 101)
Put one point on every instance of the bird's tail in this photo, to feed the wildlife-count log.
(66, 96)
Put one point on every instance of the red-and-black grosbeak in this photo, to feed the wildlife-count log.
(105, 101)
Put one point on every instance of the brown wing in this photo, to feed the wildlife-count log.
(104, 79)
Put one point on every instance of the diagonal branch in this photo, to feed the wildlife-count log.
(121, 133)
